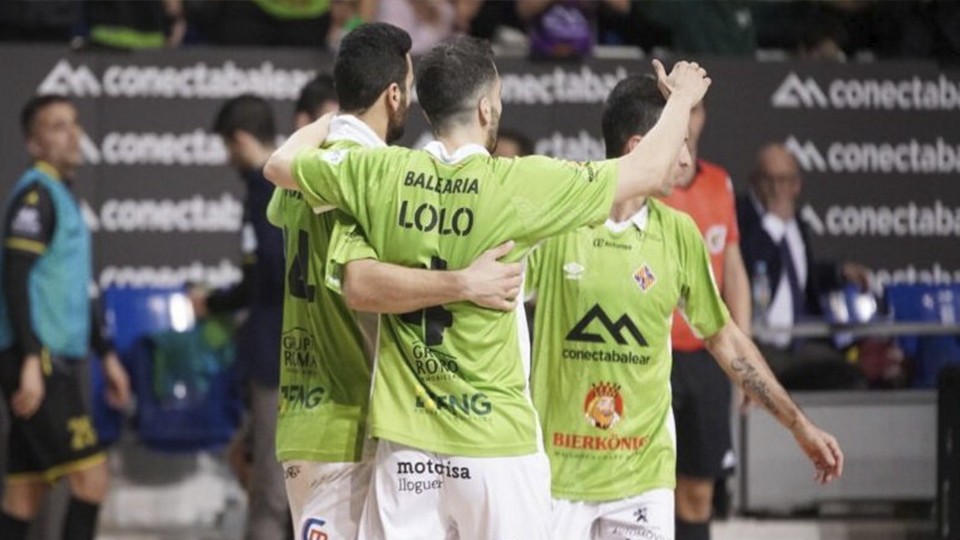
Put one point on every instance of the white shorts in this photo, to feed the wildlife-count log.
(420, 495)
(326, 499)
(648, 516)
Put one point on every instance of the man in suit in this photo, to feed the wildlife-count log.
(773, 239)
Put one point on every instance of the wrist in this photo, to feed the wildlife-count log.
(460, 283)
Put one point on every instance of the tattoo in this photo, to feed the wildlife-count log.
(753, 384)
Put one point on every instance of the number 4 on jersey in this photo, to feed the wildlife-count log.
(435, 319)
(299, 274)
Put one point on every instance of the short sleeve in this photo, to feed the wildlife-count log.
(327, 178)
(552, 196)
(274, 208)
(531, 279)
(31, 221)
(348, 242)
(700, 300)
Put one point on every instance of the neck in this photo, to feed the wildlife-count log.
(455, 137)
(58, 171)
(625, 210)
(376, 120)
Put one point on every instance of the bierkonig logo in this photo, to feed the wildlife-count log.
(915, 156)
(583, 86)
(198, 81)
(906, 94)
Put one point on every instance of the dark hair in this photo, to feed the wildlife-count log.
(371, 57)
(315, 93)
(632, 108)
(29, 112)
(451, 75)
(524, 144)
(247, 113)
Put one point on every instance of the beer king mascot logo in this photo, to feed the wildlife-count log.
(603, 406)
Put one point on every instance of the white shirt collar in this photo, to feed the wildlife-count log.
(639, 220)
(439, 151)
(347, 127)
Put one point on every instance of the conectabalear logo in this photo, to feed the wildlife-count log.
(603, 406)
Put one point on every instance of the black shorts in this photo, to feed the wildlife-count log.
(60, 437)
(701, 408)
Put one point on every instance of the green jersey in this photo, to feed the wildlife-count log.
(326, 348)
(601, 369)
(453, 379)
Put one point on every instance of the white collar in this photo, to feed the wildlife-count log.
(639, 220)
(439, 151)
(347, 127)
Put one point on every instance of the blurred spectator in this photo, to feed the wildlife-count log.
(706, 26)
(776, 247)
(512, 143)
(48, 326)
(148, 24)
(701, 390)
(38, 20)
(561, 29)
(247, 127)
(493, 17)
(428, 21)
(345, 15)
(822, 38)
(317, 98)
(290, 23)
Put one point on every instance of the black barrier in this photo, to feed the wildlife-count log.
(878, 143)
(948, 454)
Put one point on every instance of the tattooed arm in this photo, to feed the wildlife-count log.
(745, 366)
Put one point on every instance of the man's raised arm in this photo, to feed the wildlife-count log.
(643, 170)
(279, 168)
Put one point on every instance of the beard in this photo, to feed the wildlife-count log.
(493, 131)
(396, 124)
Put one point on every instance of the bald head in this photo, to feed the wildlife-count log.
(776, 180)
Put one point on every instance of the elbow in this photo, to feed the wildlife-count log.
(277, 170)
(356, 297)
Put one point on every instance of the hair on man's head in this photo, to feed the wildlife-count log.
(248, 113)
(315, 94)
(371, 58)
(451, 76)
(32, 108)
(632, 108)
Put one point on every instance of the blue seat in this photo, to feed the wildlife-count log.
(187, 396)
(927, 303)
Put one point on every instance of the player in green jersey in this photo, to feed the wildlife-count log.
(326, 352)
(460, 453)
(601, 378)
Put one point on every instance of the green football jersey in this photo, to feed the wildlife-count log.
(453, 379)
(326, 348)
(601, 357)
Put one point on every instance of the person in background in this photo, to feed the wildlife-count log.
(701, 390)
(48, 325)
(317, 98)
(513, 143)
(246, 125)
(778, 254)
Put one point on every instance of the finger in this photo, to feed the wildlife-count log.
(512, 293)
(501, 250)
(508, 305)
(514, 270)
(659, 70)
(838, 456)
(694, 65)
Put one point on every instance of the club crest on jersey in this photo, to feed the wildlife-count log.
(573, 270)
(716, 238)
(603, 406)
(644, 277)
(313, 530)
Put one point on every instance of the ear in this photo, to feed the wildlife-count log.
(394, 96)
(485, 109)
(632, 143)
(33, 148)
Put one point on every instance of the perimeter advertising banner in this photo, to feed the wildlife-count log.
(879, 146)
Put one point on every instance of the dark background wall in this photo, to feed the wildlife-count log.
(879, 144)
